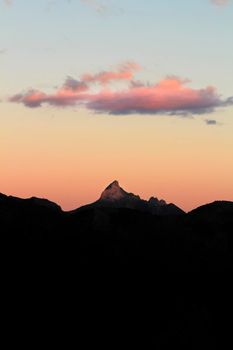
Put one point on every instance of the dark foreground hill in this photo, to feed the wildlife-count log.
(184, 311)
(121, 233)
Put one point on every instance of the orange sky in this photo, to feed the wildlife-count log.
(70, 158)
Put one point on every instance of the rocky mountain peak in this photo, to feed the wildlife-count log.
(113, 192)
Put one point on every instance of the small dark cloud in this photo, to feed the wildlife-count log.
(3, 51)
(211, 122)
(75, 85)
(229, 101)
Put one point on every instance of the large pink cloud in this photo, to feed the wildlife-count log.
(169, 96)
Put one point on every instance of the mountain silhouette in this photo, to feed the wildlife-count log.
(116, 197)
(122, 227)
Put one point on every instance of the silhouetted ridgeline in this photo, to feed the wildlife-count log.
(110, 232)
(200, 240)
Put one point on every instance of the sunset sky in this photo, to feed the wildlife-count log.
(139, 91)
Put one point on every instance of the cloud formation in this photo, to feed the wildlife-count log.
(220, 2)
(8, 2)
(211, 122)
(171, 96)
(100, 7)
(125, 71)
(96, 5)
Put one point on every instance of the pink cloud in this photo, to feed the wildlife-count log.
(68, 95)
(169, 96)
(125, 72)
(35, 98)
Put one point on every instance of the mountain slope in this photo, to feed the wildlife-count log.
(116, 197)
(31, 218)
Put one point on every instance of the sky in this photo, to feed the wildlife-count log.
(138, 91)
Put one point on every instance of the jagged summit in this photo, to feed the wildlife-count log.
(114, 183)
(116, 197)
(114, 192)
(156, 201)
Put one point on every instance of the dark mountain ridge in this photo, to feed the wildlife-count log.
(121, 227)
(29, 202)
(116, 197)
(113, 232)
